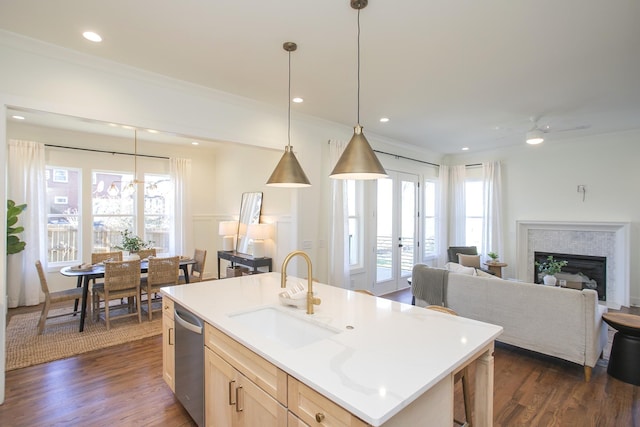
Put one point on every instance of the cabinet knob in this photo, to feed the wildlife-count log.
(319, 417)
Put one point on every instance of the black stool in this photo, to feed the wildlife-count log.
(624, 361)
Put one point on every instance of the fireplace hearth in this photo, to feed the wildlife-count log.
(581, 271)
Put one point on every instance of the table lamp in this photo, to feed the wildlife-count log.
(258, 233)
(227, 229)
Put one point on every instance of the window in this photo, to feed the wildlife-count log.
(429, 227)
(354, 212)
(63, 202)
(113, 209)
(474, 213)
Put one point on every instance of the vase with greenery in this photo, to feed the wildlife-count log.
(493, 256)
(14, 244)
(549, 268)
(133, 243)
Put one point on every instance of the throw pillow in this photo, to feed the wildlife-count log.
(481, 273)
(460, 269)
(469, 260)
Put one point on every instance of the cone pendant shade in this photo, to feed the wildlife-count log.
(358, 161)
(288, 172)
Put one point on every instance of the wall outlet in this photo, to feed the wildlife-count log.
(307, 244)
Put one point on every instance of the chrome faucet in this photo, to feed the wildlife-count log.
(311, 301)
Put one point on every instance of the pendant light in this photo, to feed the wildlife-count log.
(288, 172)
(358, 161)
(130, 188)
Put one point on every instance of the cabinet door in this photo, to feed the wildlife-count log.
(168, 351)
(220, 391)
(293, 421)
(255, 407)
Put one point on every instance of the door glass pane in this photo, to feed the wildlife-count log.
(384, 221)
(408, 222)
(429, 218)
(113, 209)
(63, 214)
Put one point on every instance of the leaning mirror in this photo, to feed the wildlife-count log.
(250, 209)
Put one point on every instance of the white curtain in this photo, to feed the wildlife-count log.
(442, 215)
(180, 172)
(492, 215)
(339, 273)
(26, 184)
(457, 207)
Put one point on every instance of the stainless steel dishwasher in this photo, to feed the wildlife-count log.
(189, 362)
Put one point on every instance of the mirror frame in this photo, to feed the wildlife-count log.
(250, 211)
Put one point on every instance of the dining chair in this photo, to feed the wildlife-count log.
(364, 291)
(146, 253)
(121, 280)
(161, 272)
(197, 269)
(461, 375)
(97, 257)
(73, 294)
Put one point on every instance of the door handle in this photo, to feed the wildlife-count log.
(239, 400)
(231, 402)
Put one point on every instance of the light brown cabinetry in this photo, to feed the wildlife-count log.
(232, 394)
(315, 409)
(168, 343)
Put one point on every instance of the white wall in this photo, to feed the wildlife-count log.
(540, 183)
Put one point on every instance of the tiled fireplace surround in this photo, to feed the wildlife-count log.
(605, 239)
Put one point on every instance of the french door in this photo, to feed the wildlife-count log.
(397, 230)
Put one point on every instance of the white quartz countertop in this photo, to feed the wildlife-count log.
(385, 354)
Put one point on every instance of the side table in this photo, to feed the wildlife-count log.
(625, 350)
(243, 259)
(496, 267)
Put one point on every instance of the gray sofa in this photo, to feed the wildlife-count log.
(559, 322)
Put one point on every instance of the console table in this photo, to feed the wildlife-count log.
(243, 259)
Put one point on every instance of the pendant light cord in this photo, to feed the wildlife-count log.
(289, 107)
(358, 109)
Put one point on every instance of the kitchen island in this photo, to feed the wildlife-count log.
(381, 361)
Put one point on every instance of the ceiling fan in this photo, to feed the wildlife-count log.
(536, 134)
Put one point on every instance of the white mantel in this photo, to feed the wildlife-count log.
(606, 239)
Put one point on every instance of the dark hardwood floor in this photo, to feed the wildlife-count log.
(123, 386)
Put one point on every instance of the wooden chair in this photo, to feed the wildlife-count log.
(97, 257)
(197, 269)
(162, 272)
(121, 280)
(146, 253)
(462, 375)
(73, 294)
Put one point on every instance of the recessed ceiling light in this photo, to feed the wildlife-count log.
(195, 143)
(127, 127)
(465, 148)
(113, 125)
(298, 100)
(384, 119)
(18, 117)
(152, 131)
(91, 36)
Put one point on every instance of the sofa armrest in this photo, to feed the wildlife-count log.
(596, 334)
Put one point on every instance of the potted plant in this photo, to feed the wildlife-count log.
(133, 243)
(14, 245)
(493, 256)
(550, 267)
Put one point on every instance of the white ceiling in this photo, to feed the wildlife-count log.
(448, 74)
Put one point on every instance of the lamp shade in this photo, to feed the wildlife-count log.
(259, 231)
(227, 228)
(288, 172)
(358, 161)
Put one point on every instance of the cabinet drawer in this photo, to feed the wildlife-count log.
(315, 409)
(266, 375)
(167, 306)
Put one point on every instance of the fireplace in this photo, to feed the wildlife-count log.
(581, 271)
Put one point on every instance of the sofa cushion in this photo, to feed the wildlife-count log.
(469, 260)
(483, 273)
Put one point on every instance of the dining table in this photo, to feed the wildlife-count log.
(96, 271)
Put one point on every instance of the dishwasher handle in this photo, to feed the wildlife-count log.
(193, 324)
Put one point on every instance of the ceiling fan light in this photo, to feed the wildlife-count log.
(535, 136)
(358, 161)
(288, 172)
